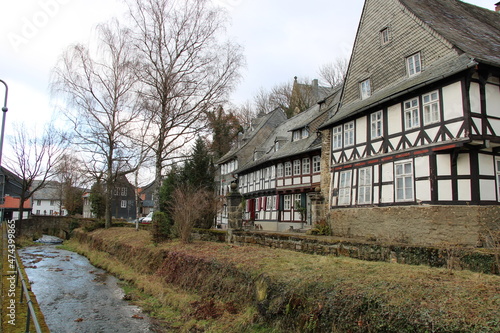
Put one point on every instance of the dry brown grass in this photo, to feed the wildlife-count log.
(304, 284)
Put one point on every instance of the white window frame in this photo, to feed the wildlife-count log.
(414, 64)
(306, 166)
(296, 135)
(287, 202)
(376, 121)
(365, 89)
(297, 201)
(288, 169)
(279, 170)
(337, 137)
(411, 113)
(349, 134)
(305, 133)
(365, 186)
(345, 183)
(316, 164)
(430, 104)
(403, 181)
(296, 167)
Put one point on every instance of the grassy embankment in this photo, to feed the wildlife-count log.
(213, 287)
(14, 318)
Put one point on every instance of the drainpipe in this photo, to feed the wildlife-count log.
(4, 111)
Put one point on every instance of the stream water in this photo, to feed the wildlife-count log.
(75, 296)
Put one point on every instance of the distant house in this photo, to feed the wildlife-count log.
(48, 200)
(415, 144)
(146, 199)
(123, 204)
(10, 188)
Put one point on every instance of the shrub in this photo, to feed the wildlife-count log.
(321, 228)
(161, 229)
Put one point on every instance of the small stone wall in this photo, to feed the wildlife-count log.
(452, 257)
(419, 225)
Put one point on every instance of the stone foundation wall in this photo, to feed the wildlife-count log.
(419, 225)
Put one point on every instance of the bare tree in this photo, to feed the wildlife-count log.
(333, 73)
(102, 89)
(186, 71)
(184, 213)
(34, 158)
(71, 177)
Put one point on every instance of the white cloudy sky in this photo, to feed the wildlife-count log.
(281, 38)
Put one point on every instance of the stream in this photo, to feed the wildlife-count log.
(75, 296)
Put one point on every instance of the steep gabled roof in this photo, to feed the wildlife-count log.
(310, 118)
(249, 138)
(453, 35)
(472, 29)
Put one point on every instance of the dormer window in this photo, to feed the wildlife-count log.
(414, 64)
(384, 36)
(299, 134)
(305, 133)
(365, 89)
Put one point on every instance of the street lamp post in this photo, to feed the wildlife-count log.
(4, 111)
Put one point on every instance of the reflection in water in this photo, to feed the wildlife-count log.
(75, 296)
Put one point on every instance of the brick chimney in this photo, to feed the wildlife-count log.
(497, 7)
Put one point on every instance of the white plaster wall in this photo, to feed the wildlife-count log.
(452, 101)
(443, 165)
(394, 119)
(361, 130)
(464, 190)
(475, 99)
(486, 165)
(445, 191)
(487, 189)
(463, 165)
(422, 166)
(492, 100)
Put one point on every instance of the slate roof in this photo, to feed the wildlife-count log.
(50, 191)
(443, 68)
(284, 134)
(473, 30)
(273, 118)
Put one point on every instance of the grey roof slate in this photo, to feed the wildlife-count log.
(284, 133)
(273, 118)
(472, 29)
(443, 68)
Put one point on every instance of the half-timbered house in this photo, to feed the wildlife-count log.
(278, 183)
(255, 134)
(419, 123)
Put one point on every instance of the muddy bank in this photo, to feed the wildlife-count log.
(75, 296)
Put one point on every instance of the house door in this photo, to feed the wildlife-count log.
(251, 209)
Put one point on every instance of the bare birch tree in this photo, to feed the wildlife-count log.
(101, 86)
(186, 70)
(34, 158)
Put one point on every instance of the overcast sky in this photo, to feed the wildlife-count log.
(281, 39)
